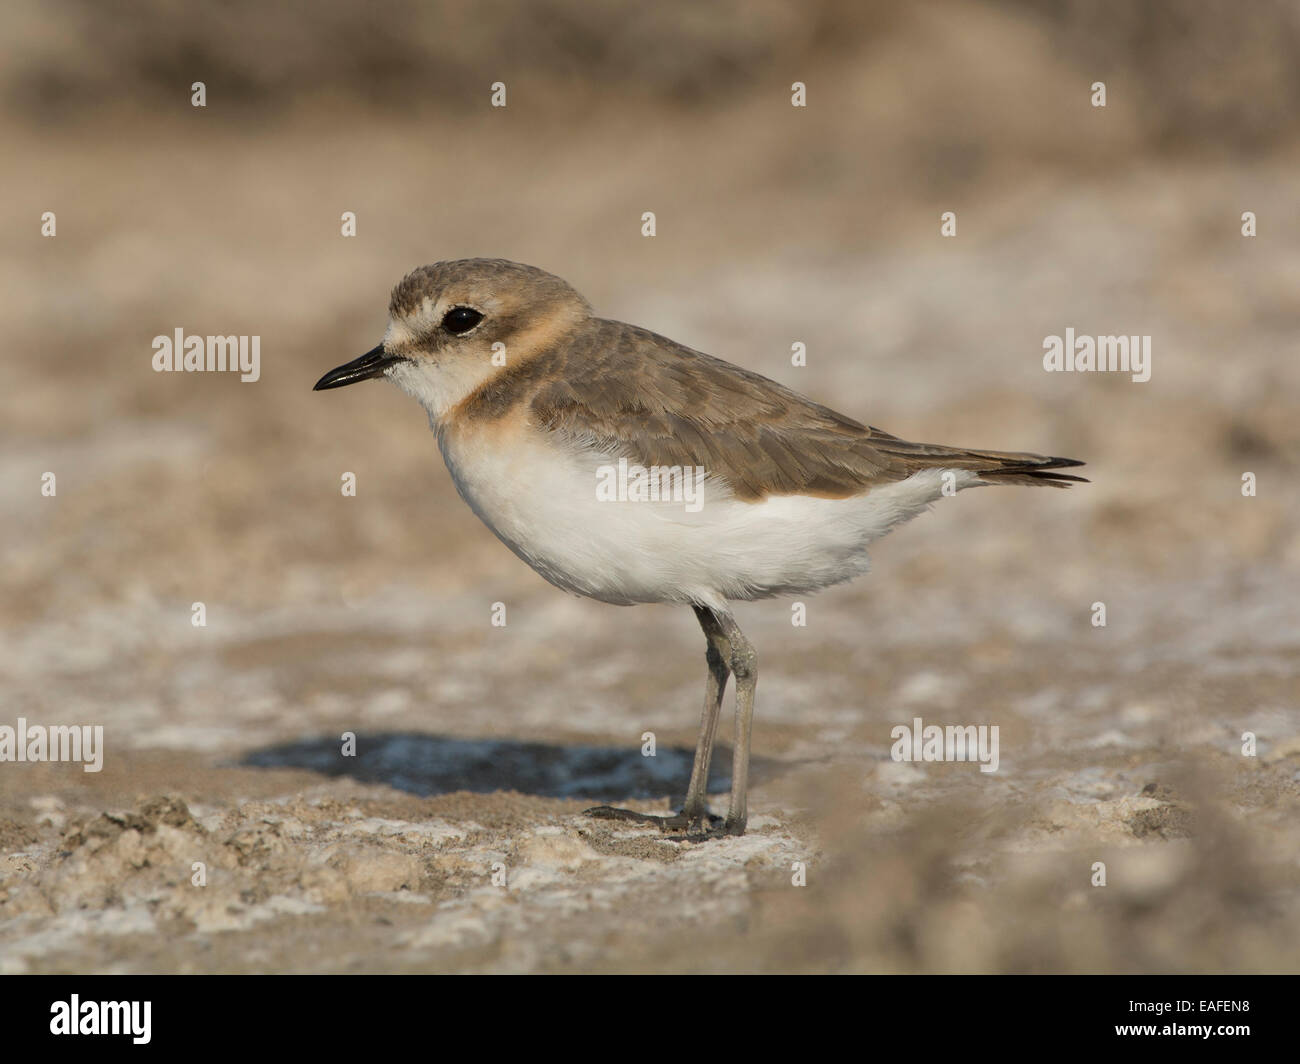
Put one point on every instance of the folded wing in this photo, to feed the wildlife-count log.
(629, 392)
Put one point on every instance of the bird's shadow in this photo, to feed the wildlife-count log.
(427, 765)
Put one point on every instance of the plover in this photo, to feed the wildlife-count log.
(534, 400)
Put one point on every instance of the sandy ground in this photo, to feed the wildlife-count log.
(454, 839)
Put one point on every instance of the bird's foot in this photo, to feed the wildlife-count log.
(701, 825)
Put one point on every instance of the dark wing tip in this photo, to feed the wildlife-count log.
(1040, 472)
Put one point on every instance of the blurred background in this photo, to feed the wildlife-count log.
(775, 225)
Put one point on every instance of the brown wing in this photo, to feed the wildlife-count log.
(641, 396)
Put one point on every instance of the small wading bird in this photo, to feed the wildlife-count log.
(792, 492)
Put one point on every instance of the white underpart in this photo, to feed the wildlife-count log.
(540, 498)
(541, 501)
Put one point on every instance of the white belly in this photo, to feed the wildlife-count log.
(542, 501)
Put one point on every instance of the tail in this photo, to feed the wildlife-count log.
(993, 467)
(1029, 469)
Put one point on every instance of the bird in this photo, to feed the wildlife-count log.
(628, 468)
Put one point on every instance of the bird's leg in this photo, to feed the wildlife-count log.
(744, 663)
(695, 814)
(717, 655)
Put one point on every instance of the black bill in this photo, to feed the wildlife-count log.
(370, 365)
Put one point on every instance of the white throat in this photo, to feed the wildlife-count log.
(441, 386)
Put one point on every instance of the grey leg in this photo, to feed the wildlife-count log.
(718, 656)
(728, 651)
(744, 663)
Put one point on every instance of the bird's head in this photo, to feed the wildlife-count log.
(453, 326)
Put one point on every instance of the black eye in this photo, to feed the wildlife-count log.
(461, 319)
